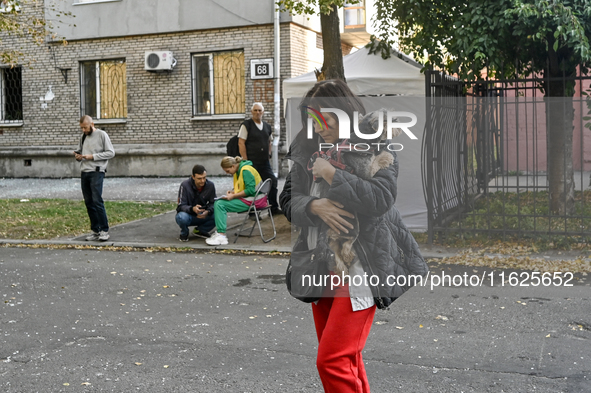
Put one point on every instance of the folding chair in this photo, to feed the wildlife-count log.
(263, 189)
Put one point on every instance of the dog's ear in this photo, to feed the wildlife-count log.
(370, 123)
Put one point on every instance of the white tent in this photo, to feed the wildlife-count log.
(370, 75)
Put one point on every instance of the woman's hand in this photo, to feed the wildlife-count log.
(332, 213)
(229, 195)
(323, 169)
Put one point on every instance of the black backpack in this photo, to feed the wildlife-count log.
(232, 149)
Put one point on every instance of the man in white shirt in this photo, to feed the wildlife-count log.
(254, 142)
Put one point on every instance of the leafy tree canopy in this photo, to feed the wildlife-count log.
(513, 36)
(25, 19)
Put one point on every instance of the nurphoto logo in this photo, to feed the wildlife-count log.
(345, 127)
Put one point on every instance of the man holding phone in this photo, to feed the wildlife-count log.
(93, 153)
(195, 205)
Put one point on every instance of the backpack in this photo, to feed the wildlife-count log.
(232, 149)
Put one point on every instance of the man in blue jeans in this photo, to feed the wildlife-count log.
(93, 153)
(195, 205)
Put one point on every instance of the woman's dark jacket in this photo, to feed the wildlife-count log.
(385, 246)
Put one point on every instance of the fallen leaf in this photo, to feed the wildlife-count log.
(166, 366)
(137, 363)
(399, 327)
(85, 383)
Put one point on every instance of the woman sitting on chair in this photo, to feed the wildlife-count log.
(246, 182)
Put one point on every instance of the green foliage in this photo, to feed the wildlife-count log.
(50, 218)
(26, 19)
(312, 7)
(509, 36)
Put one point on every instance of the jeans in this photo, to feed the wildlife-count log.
(92, 190)
(264, 169)
(186, 220)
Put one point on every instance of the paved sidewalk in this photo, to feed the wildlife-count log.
(161, 230)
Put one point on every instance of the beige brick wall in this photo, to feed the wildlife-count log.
(159, 104)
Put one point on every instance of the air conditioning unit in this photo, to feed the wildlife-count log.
(159, 61)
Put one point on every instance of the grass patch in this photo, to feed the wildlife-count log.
(51, 218)
(523, 217)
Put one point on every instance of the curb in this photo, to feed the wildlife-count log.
(252, 248)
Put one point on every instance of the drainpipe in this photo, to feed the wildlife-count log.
(277, 95)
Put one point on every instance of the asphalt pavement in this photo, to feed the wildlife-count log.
(76, 320)
(197, 321)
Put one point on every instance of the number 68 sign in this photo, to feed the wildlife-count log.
(261, 69)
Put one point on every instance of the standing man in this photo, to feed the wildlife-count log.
(195, 205)
(94, 151)
(254, 141)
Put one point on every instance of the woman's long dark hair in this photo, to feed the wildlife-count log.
(332, 93)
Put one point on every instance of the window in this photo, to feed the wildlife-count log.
(103, 89)
(355, 14)
(218, 83)
(11, 95)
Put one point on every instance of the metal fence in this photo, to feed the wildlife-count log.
(489, 150)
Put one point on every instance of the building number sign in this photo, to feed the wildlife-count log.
(261, 69)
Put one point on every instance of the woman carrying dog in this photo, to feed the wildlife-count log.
(325, 197)
(237, 200)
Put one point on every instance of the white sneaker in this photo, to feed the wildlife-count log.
(103, 236)
(94, 236)
(217, 239)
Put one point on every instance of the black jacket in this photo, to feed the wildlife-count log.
(385, 246)
(190, 197)
(257, 143)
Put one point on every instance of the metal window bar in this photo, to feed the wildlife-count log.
(203, 85)
(11, 95)
(103, 89)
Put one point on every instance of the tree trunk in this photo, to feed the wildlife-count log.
(559, 137)
(331, 41)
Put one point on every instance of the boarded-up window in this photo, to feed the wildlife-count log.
(103, 89)
(218, 83)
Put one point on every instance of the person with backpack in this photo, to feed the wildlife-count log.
(254, 143)
(237, 200)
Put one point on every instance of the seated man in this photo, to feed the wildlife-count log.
(195, 205)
